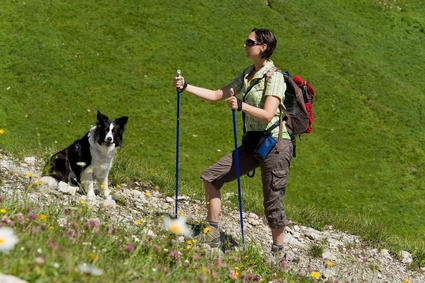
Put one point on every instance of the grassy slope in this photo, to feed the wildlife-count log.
(363, 165)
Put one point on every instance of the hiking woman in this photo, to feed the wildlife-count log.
(260, 106)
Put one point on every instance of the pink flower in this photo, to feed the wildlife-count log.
(129, 248)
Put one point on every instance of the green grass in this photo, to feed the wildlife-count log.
(362, 168)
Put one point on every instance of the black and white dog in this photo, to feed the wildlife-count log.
(89, 159)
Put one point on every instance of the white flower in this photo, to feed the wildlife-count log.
(81, 164)
(177, 226)
(90, 269)
(8, 239)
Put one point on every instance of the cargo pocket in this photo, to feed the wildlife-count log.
(279, 179)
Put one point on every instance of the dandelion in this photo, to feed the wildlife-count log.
(39, 182)
(330, 263)
(89, 269)
(8, 239)
(29, 175)
(177, 226)
(43, 217)
(315, 274)
(1, 132)
(3, 210)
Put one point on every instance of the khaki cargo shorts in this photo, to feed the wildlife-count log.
(274, 175)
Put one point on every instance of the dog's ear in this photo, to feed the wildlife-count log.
(101, 117)
(121, 121)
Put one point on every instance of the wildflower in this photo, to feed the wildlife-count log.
(39, 182)
(56, 265)
(81, 164)
(181, 213)
(137, 222)
(315, 274)
(102, 185)
(207, 230)
(8, 239)
(129, 248)
(29, 175)
(89, 269)
(1, 131)
(148, 194)
(3, 210)
(117, 186)
(82, 201)
(330, 263)
(43, 217)
(157, 187)
(406, 281)
(177, 226)
(233, 275)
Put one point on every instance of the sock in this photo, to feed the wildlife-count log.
(213, 224)
(277, 247)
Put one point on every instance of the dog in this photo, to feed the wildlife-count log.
(88, 160)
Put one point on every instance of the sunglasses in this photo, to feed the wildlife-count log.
(250, 42)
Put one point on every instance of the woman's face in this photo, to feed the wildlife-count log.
(253, 47)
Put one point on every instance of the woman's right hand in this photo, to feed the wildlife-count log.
(178, 82)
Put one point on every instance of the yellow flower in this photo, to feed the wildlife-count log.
(406, 281)
(102, 185)
(3, 210)
(157, 187)
(148, 194)
(82, 201)
(43, 217)
(1, 131)
(92, 257)
(137, 222)
(207, 230)
(51, 228)
(29, 175)
(315, 274)
(39, 182)
(330, 263)
(181, 213)
(117, 186)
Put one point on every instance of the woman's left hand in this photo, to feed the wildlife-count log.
(234, 103)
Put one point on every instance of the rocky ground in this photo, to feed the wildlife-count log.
(344, 259)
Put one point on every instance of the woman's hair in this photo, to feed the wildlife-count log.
(266, 36)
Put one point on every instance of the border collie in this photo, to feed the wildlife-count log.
(89, 159)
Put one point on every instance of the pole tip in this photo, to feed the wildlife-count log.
(178, 73)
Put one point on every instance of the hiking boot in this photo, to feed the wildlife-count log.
(210, 236)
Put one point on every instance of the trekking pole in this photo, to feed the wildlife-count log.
(177, 145)
(235, 137)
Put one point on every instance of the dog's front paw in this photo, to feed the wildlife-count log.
(91, 195)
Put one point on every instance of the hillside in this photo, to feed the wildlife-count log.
(362, 168)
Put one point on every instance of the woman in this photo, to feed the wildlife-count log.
(260, 107)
